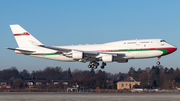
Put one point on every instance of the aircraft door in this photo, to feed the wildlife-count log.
(137, 42)
(129, 53)
(129, 49)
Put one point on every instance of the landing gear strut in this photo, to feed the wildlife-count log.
(158, 62)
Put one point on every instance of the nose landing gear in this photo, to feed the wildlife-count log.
(158, 62)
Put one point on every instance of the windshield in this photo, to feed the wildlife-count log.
(162, 41)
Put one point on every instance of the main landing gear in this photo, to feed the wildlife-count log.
(96, 64)
(158, 62)
(103, 64)
(93, 65)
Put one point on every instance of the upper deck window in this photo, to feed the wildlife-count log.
(162, 41)
(145, 42)
(131, 43)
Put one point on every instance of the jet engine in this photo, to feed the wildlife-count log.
(107, 58)
(77, 55)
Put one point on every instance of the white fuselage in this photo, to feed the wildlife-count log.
(119, 51)
(133, 49)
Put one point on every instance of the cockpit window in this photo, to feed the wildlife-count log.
(162, 41)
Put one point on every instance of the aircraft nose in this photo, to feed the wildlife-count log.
(171, 50)
(174, 49)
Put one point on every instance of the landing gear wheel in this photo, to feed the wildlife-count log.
(103, 64)
(95, 67)
(93, 64)
(89, 66)
(102, 67)
(158, 63)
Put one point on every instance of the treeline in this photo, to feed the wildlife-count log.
(83, 78)
(156, 76)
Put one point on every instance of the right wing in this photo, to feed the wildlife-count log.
(88, 55)
(56, 48)
(64, 50)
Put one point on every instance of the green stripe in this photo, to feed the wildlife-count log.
(21, 35)
(163, 50)
(42, 54)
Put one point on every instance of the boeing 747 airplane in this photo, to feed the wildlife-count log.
(119, 51)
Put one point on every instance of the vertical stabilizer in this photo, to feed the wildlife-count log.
(23, 38)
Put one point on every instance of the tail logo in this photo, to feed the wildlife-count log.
(33, 43)
(22, 34)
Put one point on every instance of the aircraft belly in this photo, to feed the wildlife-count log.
(142, 54)
(57, 57)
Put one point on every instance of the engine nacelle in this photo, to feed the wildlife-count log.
(107, 58)
(77, 55)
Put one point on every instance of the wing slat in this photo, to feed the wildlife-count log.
(56, 48)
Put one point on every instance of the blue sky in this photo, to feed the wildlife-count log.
(67, 22)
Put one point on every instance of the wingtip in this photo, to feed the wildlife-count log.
(9, 48)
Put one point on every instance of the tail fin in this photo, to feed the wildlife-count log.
(23, 38)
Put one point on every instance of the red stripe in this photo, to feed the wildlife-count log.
(38, 53)
(25, 33)
(170, 50)
(41, 53)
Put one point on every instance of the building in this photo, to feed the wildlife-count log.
(41, 81)
(128, 83)
(4, 85)
(33, 82)
(29, 81)
(55, 81)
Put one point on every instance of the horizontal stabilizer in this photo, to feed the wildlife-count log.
(22, 50)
